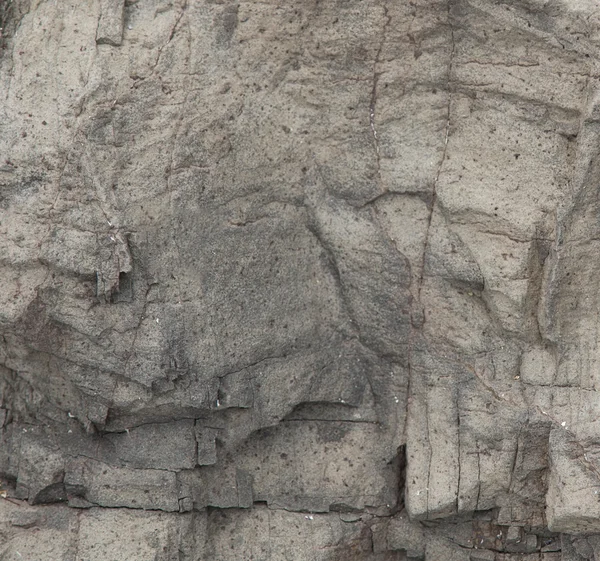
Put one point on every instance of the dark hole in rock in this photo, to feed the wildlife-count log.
(54, 493)
(125, 291)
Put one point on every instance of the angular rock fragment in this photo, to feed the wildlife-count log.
(110, 25)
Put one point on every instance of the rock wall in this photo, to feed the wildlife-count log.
(306, 281)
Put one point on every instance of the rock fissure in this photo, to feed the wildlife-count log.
(434, 189)
(171, 36)
(375, 81)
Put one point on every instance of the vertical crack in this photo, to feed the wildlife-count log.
(375, 81)
(459, 452)
(478, 475)
(269, 532)
(515, 457)
(75, 532)
(430, 450)
(137, 328)
(171, 36)
(444, 151)
(419, 321)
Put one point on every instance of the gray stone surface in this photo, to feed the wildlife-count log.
(169, 446)
(299, 281)
(101, 484)
(137, 535)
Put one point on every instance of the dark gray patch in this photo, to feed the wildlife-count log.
(331, 431)
(227, 24)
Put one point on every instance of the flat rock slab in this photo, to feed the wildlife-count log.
(104, 485)
(170, 446)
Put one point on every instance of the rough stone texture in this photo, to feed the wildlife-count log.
(110, 25)
(299, 281)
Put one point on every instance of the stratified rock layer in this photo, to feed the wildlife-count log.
(299, 281)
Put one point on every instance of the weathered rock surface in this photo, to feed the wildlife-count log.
(299, 281)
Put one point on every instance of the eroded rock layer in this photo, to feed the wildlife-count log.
(312, 280)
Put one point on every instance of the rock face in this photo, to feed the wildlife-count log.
(307, 281)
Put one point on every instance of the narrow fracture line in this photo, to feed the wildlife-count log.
(442, 160)
(373, 104)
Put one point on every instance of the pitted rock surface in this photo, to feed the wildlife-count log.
(300, 281)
